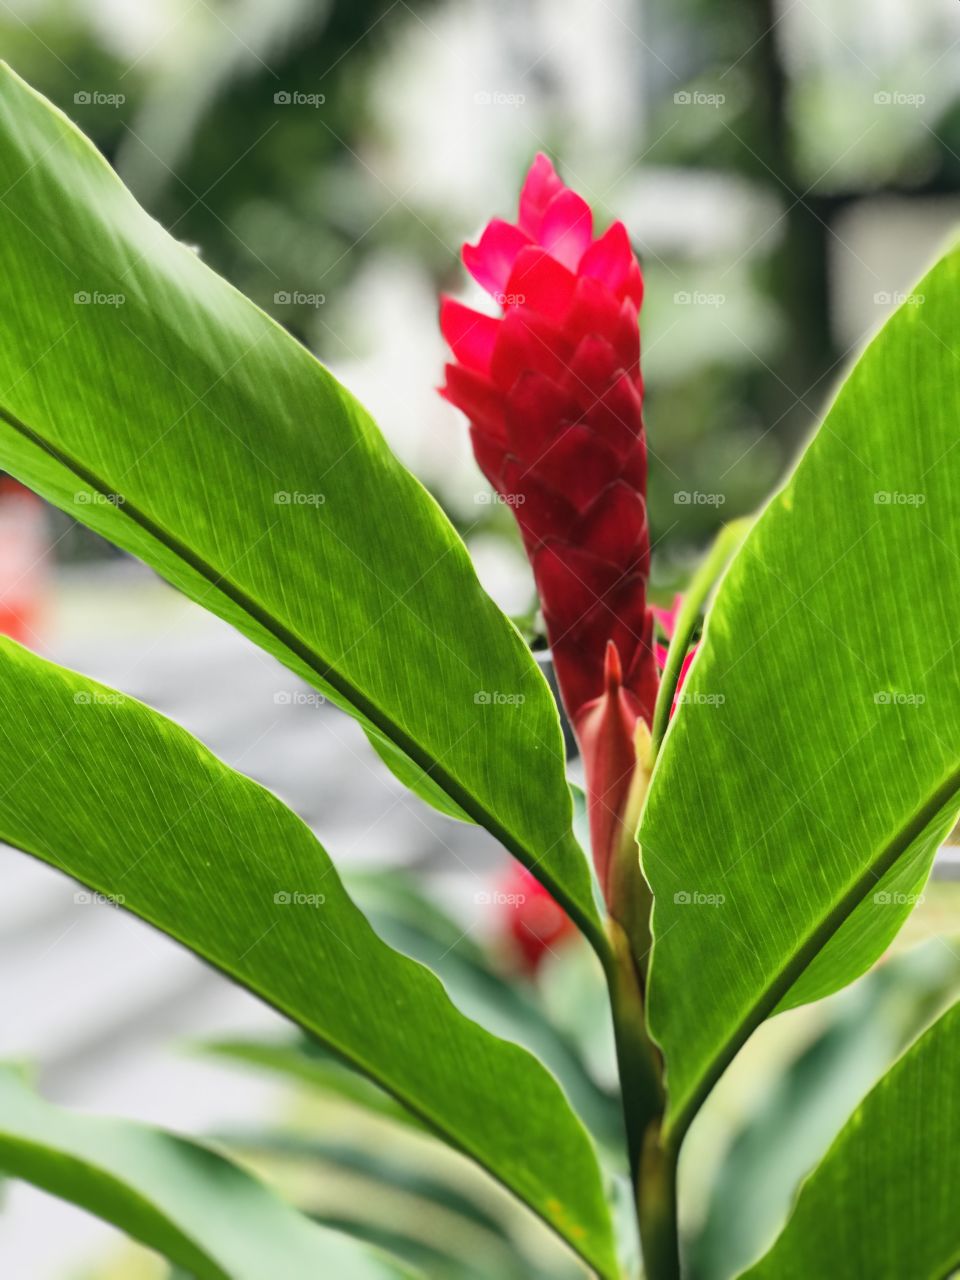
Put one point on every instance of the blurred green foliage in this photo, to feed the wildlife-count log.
(767, 109)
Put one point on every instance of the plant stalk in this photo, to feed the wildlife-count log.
(652, 1168)
(657, 1210)
(637, 1056)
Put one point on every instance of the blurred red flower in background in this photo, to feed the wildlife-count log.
(534, 924)
(25, 555)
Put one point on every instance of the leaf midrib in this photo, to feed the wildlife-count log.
(805, 954)
(312, 659)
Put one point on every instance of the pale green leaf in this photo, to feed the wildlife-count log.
(304, 1062)
(793, 1118)
(176, 1196)
(883, 1203)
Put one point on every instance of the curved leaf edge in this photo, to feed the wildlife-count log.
(394, 745)
(114, 1199)
(353, 1061)
(948, 1021)
(942, 807)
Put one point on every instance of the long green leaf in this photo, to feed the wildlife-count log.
(378, 1166)
(814, 766)
(794, 1118)
(481, 990)
(182, 1199)
(468, 1239)
(883, 1203)
(305, 1062)
(145, 396)
(127, 802)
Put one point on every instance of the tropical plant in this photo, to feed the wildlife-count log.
(790, 784)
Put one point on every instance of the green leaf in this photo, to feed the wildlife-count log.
(308, 1063)
(883, 1203)
(182, 1199)
(438, 1262)
(429, 1216)
(794, 1119)
(127, 802)
(377, 1166)
(724, 548)
(499, 1001)
(814, 767)
(187, 427)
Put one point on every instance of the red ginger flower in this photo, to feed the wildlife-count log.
(554, 395)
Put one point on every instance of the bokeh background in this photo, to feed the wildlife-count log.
(786, 171)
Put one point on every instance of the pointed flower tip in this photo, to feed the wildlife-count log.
(612, 670)
(470, 254)
(542, 164)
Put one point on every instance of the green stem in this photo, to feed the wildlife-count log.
(652, 1169)
(637, 1056)
(657, 1210)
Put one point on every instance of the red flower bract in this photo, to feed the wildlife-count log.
(553, 391)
